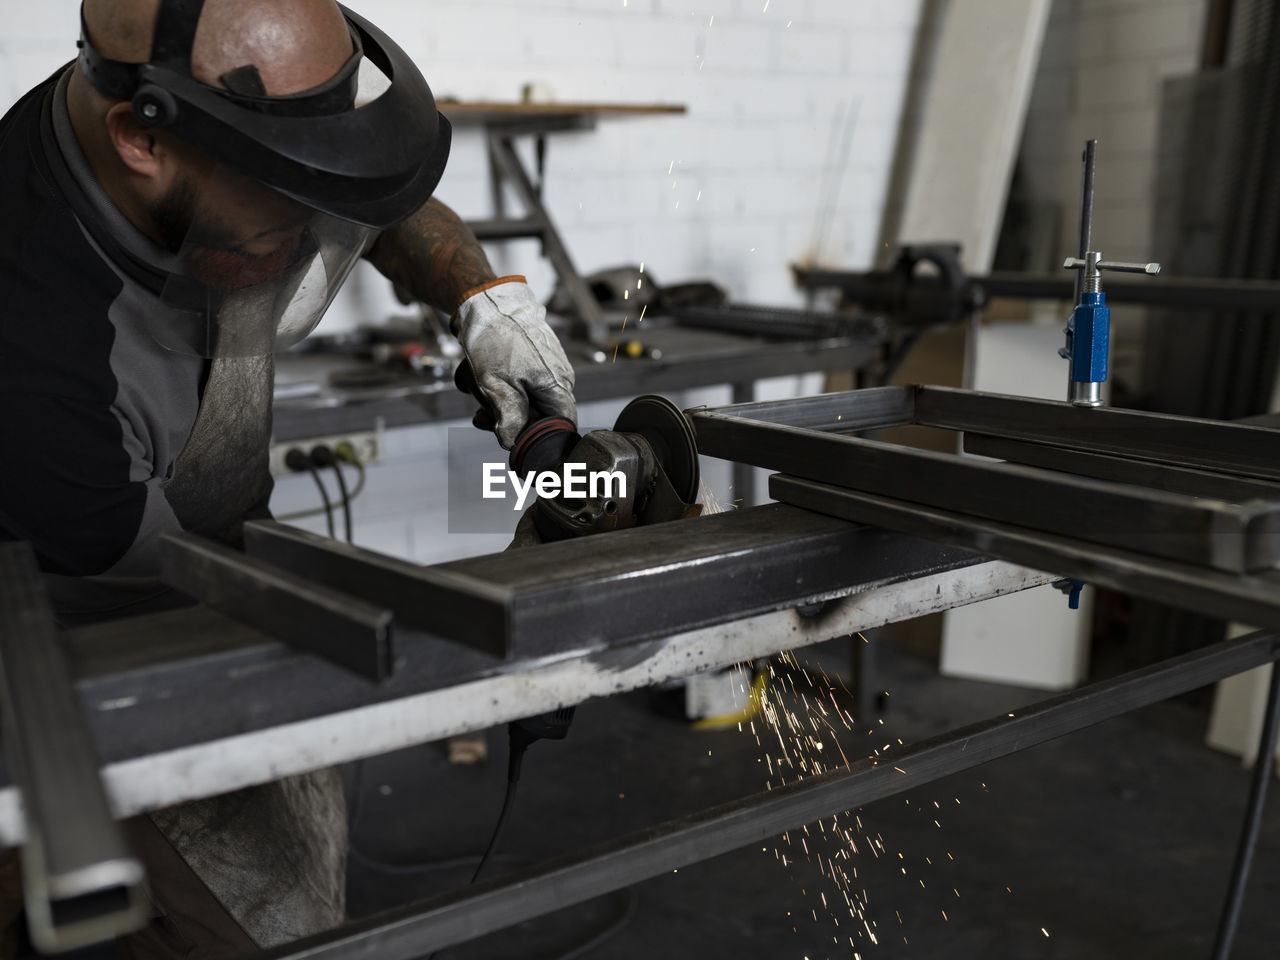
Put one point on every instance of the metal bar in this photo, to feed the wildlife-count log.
(1086, 209)
(852, 410)
(599, 591)
(443, 603)
(1248, 599)
(1230, 917)
(419, 928)
(508, 162)
(509, 228)
(1194, 483)
(323, 621)
(1222, 447)
(80, 882)
(929, 299)
(1210, 533)
(776, 323)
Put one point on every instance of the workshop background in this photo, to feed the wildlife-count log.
(805, 142)
(830, 132)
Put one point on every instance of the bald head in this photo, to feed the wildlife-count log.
(294, 44)
(153, 178)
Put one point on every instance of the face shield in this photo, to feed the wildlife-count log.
(290, 189)
(255, 270)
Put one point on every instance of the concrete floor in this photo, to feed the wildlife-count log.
(1117, 840)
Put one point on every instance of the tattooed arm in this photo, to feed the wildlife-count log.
(433, 255)
(516, 361)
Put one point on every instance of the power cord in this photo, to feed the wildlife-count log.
(520, 735)
(299, 462)
(323, 456)
(353, 461)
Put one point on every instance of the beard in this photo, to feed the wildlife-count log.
(174, 213)
(214, 257)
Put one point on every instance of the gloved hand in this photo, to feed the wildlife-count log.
(515, 358)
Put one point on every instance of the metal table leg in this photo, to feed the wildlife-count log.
(507, 162)
(1230, 918)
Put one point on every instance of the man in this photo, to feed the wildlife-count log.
(183, 199)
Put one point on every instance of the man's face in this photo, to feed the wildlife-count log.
(234, 232)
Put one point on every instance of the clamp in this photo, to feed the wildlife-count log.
(1089, 328)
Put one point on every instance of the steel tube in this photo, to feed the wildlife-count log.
(450, 605)
(597, 592)
(929, 300)
(1194, 483)
(319, 620)
(1248, 599)
(1236, 448)
(419, 928)
(80, 882)
(1175, 526)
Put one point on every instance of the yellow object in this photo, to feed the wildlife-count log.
(756, 698)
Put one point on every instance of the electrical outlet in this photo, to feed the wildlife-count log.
(366, 446)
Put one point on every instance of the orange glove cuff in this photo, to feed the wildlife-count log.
(514, 278)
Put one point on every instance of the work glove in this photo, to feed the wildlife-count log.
(517, 364)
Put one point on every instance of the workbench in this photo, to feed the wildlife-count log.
(690, 358)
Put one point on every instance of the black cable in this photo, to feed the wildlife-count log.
(324, 495)
(299, 462)
(497, 829)
(323, 456)
(346, 500)
(355, 492)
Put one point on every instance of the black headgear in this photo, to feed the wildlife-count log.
(371, 164)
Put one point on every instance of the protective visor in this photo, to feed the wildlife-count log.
(255, 269)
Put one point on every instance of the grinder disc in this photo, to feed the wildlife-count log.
(661, 423)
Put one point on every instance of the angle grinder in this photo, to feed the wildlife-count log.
(651, 448)
(651, 445)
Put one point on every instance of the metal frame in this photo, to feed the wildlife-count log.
(798, 437)
(80, 882)
(188, 703)
(596, 591)
(429, 925)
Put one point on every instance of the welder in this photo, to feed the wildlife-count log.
(177, 204)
